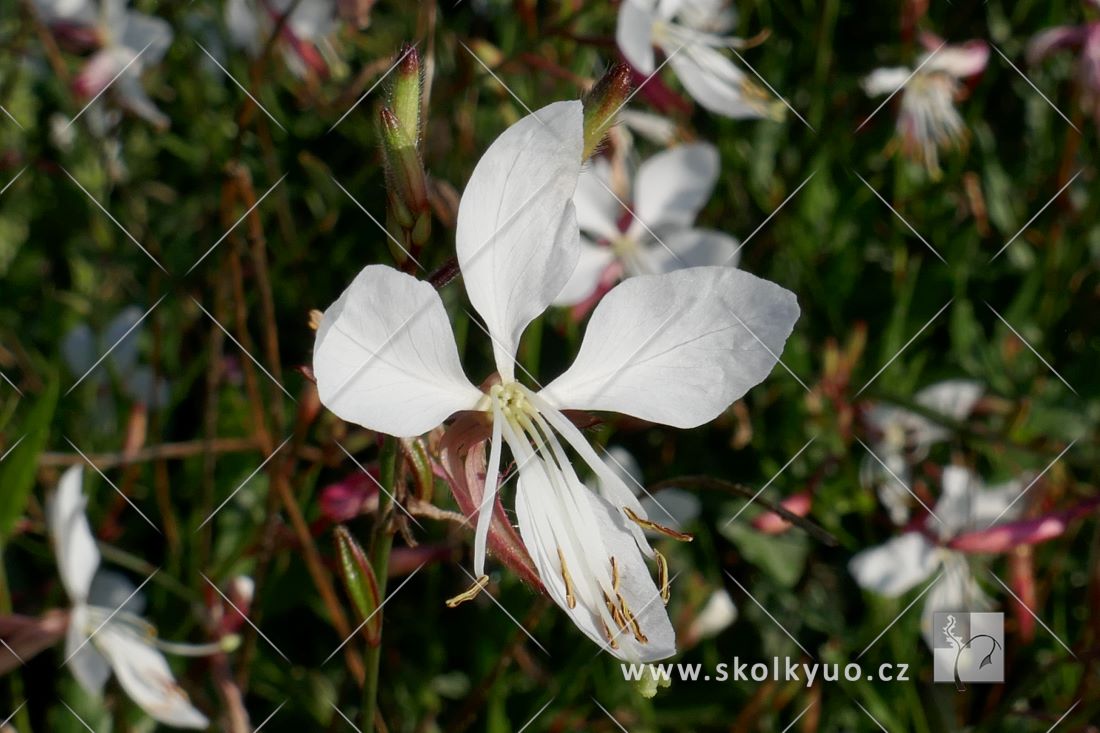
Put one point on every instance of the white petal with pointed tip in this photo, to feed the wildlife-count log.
(517, 236)
(676, 348)
(633, 32)
(693, 248)
(385, 356)
(85, 662)
(712, 80)
(895, 566)
(885, 80)
(960, 61)
(77, 552)
(144, 674)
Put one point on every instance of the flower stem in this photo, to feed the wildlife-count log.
(381, 543)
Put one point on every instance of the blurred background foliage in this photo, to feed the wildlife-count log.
(866, 284)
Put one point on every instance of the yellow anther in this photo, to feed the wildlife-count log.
(635, 627)
(610, 638)
(470, 594)
(667, 531)
(569, 597)
(662, 575)
(614, 575)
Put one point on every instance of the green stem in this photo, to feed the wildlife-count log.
(381, 543)
(22, 717)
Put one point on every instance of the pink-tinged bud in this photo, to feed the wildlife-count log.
(406, 98)
(346, 499)
(771, 523)
(602, 104)
(25, 636)
(360, 584)
(406, 173)
(1009, 535)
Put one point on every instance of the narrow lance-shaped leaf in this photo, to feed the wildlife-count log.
(360, 583)
(17, 471)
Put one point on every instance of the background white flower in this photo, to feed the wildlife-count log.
(901, 563)
(668, 191)
(106, 632)
(691, 33)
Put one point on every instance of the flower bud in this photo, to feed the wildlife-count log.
(602, 103)
(406, 174)
(406, 94)
(360, 583)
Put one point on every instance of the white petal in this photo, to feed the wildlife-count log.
(677, 348)
(591, 265)
(673, 186)
(653, 127)
(894, 567)
(144, 674)
(125, 341)
(954, 398)
(243, 25)
(488, 496)
(713, 81)
(693, 248)
(624, 465)
(960, 61)
(146, 35)
(955, 507)
(718, 613)
(542, 536)
(385, 356)
(516, 235)
(312, 19)
(633, 33)
(87, 665)
(885, 80)
(77, 553)
(112, 591)
(957, 590)
(598, 210)
(998, 503)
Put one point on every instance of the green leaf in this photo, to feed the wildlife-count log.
(17, 472)
(781, 557)
(360, 583)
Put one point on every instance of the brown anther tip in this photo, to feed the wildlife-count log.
(666, 531)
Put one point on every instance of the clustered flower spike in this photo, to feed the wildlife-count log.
(928, 120)
(675, 348)
(691, 34)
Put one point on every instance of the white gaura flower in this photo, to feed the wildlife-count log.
(674, 349)
(658, 235)
(928, 120)
(901, 438)
(691, 34)
(902, 563)
(128, 43)
(106, 631)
